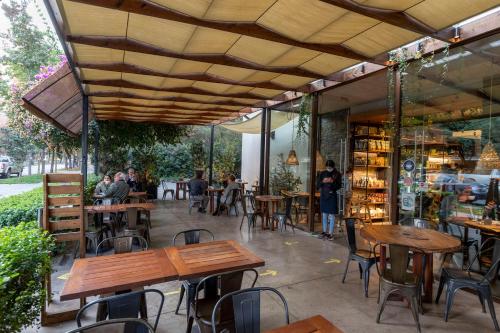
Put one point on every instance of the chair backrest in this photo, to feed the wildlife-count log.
(491, 244)
(303, 201)
(116, 325)
(246, 309)
(124, 244)
(192, 236)
(217, 285)
(235, 195)
(127, 305)
(399, 260)
(244, 199)
(350, 225)
(288, 206)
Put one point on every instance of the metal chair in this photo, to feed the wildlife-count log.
(166, 190)
(301, 207)
(249, 214)
(397, 280)
(365, 258)
(246, 308)
(215, 287)
(128, 325)
(456, 279)
(127, 305)
(233, 203)
(124, 244)
(191, 236)
(194, 201)
(281, 217)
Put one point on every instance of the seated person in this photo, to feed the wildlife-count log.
(118, 191)
(133, 180)
(103, 185)
(227, 195)
(197, 188)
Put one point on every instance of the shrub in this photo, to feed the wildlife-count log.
(20, 207)
(88, 192)
(24, 261)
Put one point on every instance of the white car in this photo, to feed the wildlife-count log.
(7, 167)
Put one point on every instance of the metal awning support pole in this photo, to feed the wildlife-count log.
(313, 146)
(85, 135)
(268, 150)
(395, 163)
(96, 149)
(262, 150)
(211, 156)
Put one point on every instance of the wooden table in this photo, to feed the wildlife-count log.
(135, 196)
(118, 272)
(119, 207)
(467, 222)
(109, 274)
(427, 240)
(199, 260)
(316, 324)
(211, 194)
(264, 201)
(180, 185)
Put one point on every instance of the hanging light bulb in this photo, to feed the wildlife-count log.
(489, 159)
(292, 155)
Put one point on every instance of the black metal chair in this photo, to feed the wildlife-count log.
(233, 202)
(365, 258)
(123, 244)
(246, 308)
(129, 325)
(283, 215)
(166, 190)
(456, 279)
(126, 305)
(191, 236)
(214, 288)
(398, 280)
(248, 213)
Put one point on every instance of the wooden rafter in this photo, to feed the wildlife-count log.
(182, 90)
(158, 116)
(154, 120)
(393, 17)
(203, 77)
(127, 44)
(149, 8)
(162, 111)
(162, 106)
(119, 94)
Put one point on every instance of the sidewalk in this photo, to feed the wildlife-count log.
(7, 190)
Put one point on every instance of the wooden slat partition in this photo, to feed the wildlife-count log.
(63, 217)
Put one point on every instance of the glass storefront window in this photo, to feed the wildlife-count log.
(450, 103)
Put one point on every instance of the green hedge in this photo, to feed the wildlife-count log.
(24, 261)
(20, 207)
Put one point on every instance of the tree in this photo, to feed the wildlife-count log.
(15, 146)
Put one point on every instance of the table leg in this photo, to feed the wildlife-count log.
(265, 211)
(184, 191)
(211, 202)
(176, 191)
(383, 258)
(273, 210)
(429, 274)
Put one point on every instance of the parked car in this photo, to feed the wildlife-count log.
(7, 167)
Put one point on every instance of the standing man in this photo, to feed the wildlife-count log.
(329, 181)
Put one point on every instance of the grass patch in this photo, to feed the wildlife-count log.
(33, 179)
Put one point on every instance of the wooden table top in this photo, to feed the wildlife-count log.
(199, 260)
(119, 207)
(427, 240)
(182, 181)
(137, 194)
(465, 221)
(268, 197)
(316, 324)
(105, 274)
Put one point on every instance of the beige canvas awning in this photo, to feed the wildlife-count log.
(203, 62)
(253, 125)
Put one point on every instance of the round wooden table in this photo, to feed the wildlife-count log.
(264, 201)
(427, 240)
(211, 194)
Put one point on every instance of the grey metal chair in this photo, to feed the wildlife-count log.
(116, 325)
(188, 287)
(233, 202)
(398, 280)
(214, 288)
(284, 215)
(166, 190)
(194, 201)
(457, 279)
(126, 305)
(246, 307)
(248, 213)
(365, 258)
(124, 244)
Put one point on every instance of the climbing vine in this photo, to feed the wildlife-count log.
(304, 116)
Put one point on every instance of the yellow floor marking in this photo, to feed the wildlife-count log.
(291, 243)
(269, 272)
(332, 261)
(64, 276)
(172, 292)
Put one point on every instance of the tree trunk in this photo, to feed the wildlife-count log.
(52, 156)
(30, 161)
(43, 161)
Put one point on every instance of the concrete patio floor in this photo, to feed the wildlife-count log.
(308, 273)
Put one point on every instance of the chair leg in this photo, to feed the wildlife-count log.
(242, 219)
(189, 324)
(440, 288)
(360, 271)
(489, 299)
(481, 300)
(381, 305)
(450, 294)
(181, 296)
(414, 311)
(366, 279)
(348, 261)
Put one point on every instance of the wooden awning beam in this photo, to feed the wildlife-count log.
(119, 94)
(183, 90)
(394, 17)
(149, 8)
(162, 106)
(153, 120)
(203, 77)
(127, 44)
(157, 116)
(163, 111)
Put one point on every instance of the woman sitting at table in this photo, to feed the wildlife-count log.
(133, 180)
(103, 185)
(227, 195)
(329, 181)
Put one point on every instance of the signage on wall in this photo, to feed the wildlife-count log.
(423, 186)
(407, 181)
(408, 201)
(409, 165)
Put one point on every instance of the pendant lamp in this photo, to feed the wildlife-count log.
(489, 158)
(292, 155)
